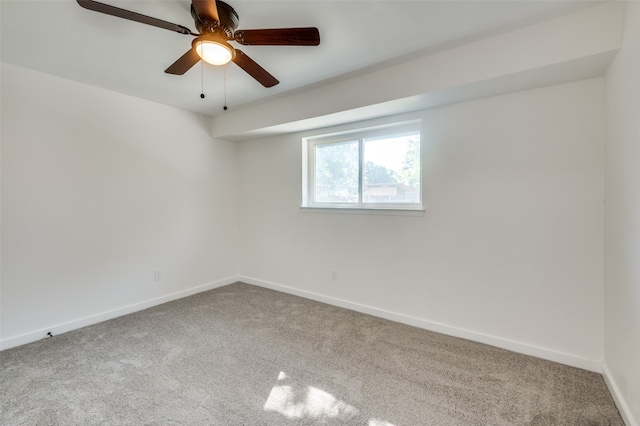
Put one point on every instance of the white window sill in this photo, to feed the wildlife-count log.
(365, 210)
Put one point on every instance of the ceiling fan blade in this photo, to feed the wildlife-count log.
(254, 70)
(309, 36)
(206, 9)
(132, 16)
(184, 63)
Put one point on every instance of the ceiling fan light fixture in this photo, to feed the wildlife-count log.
(214, 52)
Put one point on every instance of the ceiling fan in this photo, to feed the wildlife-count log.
(216, 22)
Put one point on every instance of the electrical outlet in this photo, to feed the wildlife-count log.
(334, 275)
(157, 275)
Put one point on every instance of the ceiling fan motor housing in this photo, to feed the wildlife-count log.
(228, 23)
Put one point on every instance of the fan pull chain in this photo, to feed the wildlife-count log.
(225, 88)
(201, 79)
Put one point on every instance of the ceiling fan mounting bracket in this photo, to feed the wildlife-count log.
(228, 23)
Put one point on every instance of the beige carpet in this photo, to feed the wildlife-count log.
(243, 355)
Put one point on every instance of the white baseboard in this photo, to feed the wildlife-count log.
(523, 348)
(623, 408)
(94, 319)
(567, 359)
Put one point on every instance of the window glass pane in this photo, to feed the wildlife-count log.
(336, 172)
(392, 169)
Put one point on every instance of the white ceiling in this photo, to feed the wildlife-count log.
(59, 37)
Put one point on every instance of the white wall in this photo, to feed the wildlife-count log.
(98, 191)
(622, 224)
(511, 246)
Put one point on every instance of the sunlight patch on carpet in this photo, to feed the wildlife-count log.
(376, 422)
(297, 401)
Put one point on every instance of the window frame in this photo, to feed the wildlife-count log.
(309, 144)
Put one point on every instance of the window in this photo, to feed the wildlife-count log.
(375, 168)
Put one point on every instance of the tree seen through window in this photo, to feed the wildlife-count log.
(388, 173)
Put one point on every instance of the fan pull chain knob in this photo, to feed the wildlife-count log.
(201, 80)
(225, 87)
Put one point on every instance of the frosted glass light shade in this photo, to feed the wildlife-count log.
(213, 52)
